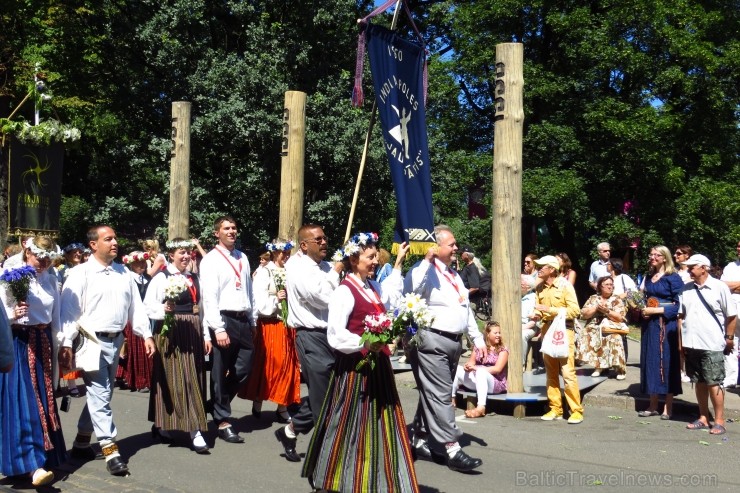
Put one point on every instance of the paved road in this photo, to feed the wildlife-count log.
(612, 448)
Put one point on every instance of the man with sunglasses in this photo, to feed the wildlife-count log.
(600, 267)
(310, 281)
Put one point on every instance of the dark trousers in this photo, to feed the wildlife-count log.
(317, 362)
(231, 366)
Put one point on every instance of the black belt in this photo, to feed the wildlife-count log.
(26, 327)
(448, 335)
(311, 329)
(235, 314)
(109, 335)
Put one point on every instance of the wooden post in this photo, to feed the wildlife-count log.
(507, 206)
(179, 218)
(291, 171)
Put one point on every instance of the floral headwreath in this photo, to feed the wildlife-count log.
(40, 252)
(279, 246)
(176, 245)
(353, 245)
(135, 257)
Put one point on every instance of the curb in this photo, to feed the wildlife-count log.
(630, 403)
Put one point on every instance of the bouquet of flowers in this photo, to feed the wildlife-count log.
(378, 328)
(411, 315)
(18, 282)
(635, 301)
(176, 285)
(278, 275)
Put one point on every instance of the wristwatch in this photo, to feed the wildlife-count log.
(729, 337)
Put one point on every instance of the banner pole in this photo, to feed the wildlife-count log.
(366, 147)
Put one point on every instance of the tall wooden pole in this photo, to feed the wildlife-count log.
(507, 206)
(179, 221)
(291, 171)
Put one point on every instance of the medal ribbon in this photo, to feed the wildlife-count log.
(373, 300)
(237, 272)
(451, 280)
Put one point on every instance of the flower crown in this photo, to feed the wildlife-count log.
(40, 252)
(279, 246)
(176, 245)
(353, 245)
(135, 257)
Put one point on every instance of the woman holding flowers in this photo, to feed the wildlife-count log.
(31, 440)
(177, 393)
(361, 425)
(275, 375)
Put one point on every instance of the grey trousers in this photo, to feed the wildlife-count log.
(434, 363)
(97, 415)
(317, 362)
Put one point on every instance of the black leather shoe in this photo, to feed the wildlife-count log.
(423, 452)
(288, 445)
(116, 466)
(157, 436)
(204, 450)
(463, 462)
(85, 454)
(229, 435)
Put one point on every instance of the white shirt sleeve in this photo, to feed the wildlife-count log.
(154, 298)
(341, 305)
(265, 297)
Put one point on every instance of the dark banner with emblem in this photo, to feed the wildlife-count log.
(34, 188)
(397, 68)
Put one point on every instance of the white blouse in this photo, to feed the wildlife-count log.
(43, 303)
(154, 298)
(342, 303)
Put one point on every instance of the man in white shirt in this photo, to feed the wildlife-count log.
(599, 268)
(229, 313)
(731, 277)
(101, 297)
(707, 323)
(434, 360)
(310, 281)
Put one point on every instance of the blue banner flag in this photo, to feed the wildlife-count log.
(397, 69)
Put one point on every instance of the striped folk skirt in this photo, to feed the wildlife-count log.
(136, 368)
(177, 393)
(360, 442)
(275, 374)
(30, 430)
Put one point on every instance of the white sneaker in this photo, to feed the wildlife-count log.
(621, 376)
(42, 477)
(596, 373)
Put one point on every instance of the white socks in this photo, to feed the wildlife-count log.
(453, 448)
(289, 432)
(198, 440)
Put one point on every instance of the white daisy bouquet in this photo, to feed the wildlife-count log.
(176, 285)
(278, 275)
(411, 315)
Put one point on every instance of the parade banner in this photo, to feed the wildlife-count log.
(34, 188)
(397, 69)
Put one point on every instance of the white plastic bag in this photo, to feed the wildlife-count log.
(555, 342)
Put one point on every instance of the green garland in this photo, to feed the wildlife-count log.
(44, 133)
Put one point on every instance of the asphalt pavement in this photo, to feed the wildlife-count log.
(612, 449)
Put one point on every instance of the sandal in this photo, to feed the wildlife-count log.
(647, 413)
(697, 425)
(717, 430)
(478, 412)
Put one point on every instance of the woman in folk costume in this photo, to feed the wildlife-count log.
(31, 440)
(134, 366)
(275, 374)
(177, 394)
(360, 441)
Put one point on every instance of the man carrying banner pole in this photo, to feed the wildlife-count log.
(434, 358)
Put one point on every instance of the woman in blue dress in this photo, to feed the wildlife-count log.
(660, 363)
(31, 440)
